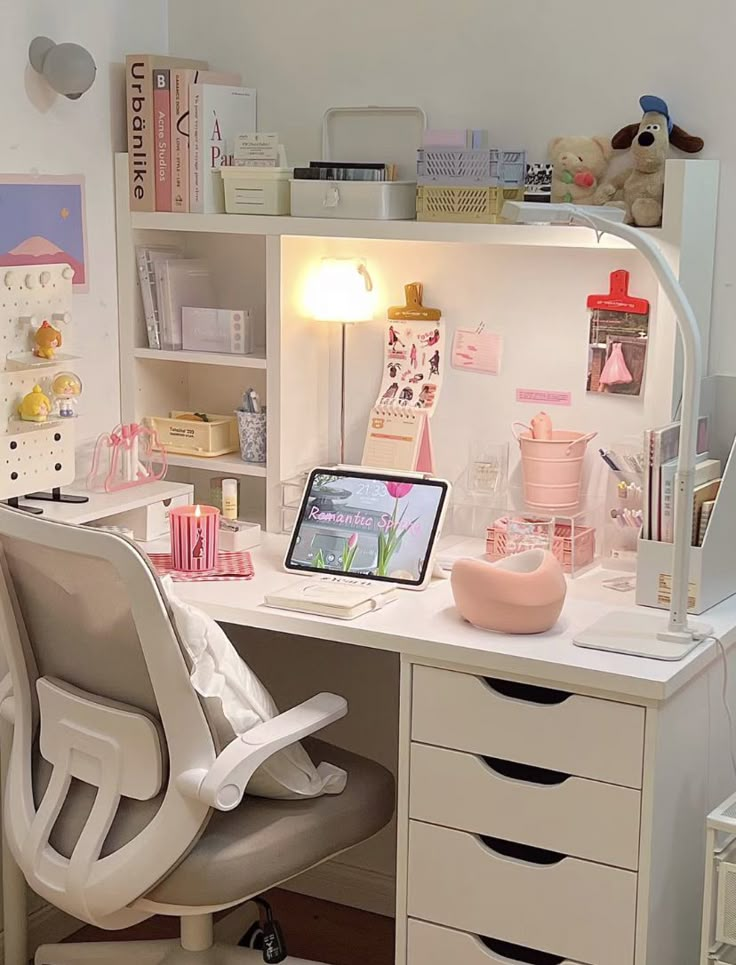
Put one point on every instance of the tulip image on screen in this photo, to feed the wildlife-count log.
(367, 526)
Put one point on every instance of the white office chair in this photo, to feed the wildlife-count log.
(118, 803)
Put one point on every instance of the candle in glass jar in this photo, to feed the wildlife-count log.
(194, 533)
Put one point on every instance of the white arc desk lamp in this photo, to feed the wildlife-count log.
(641, 632)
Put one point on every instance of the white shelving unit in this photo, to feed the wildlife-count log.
(441, 232)
(527, 282)
(231, 465)
(202, 358)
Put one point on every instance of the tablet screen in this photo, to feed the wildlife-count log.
(368, 525)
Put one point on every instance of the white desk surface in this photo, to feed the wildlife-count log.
(426, 625)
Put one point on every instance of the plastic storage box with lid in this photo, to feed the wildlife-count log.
(363, 134)
(181, 434)
(256, 190)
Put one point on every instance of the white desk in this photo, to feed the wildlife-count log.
(644, 745)
(426, 626)
(508, 745)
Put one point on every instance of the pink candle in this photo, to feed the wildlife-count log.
(194, 532)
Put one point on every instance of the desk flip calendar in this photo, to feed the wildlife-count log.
(398, 435)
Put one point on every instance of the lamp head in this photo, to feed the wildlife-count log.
(69, 69)
(341, 290)
(536, 212)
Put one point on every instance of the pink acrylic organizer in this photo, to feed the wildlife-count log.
(130, 455)
(573, 545)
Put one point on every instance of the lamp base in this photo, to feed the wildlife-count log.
(641, 634)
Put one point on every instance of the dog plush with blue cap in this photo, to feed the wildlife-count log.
(640, 189)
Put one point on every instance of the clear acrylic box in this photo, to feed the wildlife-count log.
(291, 498)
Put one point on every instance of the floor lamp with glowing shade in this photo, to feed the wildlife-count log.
(341, 290)
(641, 632)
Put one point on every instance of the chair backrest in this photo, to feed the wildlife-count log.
(104, 719)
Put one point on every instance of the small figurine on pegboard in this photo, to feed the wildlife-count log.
(66, 389)
(46, 340)
(35, 406)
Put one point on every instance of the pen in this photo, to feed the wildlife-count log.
(606, 457)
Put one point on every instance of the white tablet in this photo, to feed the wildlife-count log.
(368, 524)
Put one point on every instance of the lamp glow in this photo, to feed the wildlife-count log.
(341, 291)
(642, 633)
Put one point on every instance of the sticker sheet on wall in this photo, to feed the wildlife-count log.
(619, 339)
(398, 435)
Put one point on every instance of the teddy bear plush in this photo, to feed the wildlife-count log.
(640, 188)
(579, 167)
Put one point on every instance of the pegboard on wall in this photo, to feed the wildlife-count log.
(33, 456)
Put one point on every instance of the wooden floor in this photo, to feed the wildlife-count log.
(314, 929)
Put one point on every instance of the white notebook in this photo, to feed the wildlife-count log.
(340, 597)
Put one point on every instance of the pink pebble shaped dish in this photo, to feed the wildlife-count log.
(523, 593)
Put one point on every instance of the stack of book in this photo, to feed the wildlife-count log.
(661, 450)
(179, 299)
(346, 171)
(183, 121)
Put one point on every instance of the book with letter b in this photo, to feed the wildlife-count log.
(162, 124)
(139, 95)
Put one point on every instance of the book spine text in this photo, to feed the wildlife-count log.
(162, 126)
(139, 96)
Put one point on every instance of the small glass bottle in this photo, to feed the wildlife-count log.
(230, 498)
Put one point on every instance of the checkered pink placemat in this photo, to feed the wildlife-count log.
(230, 566)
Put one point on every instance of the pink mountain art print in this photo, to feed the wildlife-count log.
(42, 223)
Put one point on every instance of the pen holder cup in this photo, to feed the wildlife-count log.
(252, 432)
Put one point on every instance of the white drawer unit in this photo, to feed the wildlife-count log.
(516, 802)
(434, 945)
(583, 736)
(149, 522)
(564, 906)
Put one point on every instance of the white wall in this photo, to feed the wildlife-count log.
(51, 135)
(526, 69)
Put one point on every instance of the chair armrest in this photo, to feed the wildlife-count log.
(223, 785)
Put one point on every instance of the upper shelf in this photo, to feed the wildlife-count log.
(691, 192)
(563, 236)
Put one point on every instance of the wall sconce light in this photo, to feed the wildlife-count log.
(341, 291)
(67, 68)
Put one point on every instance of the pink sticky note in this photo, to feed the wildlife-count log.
(477, 351)
(545, 396)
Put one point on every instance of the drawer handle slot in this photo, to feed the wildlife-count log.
(519, 953)
(522, 852)
(527, 692)
(526, 772)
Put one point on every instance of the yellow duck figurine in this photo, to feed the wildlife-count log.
(35, 406)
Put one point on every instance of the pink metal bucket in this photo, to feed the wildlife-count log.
(552, 469)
